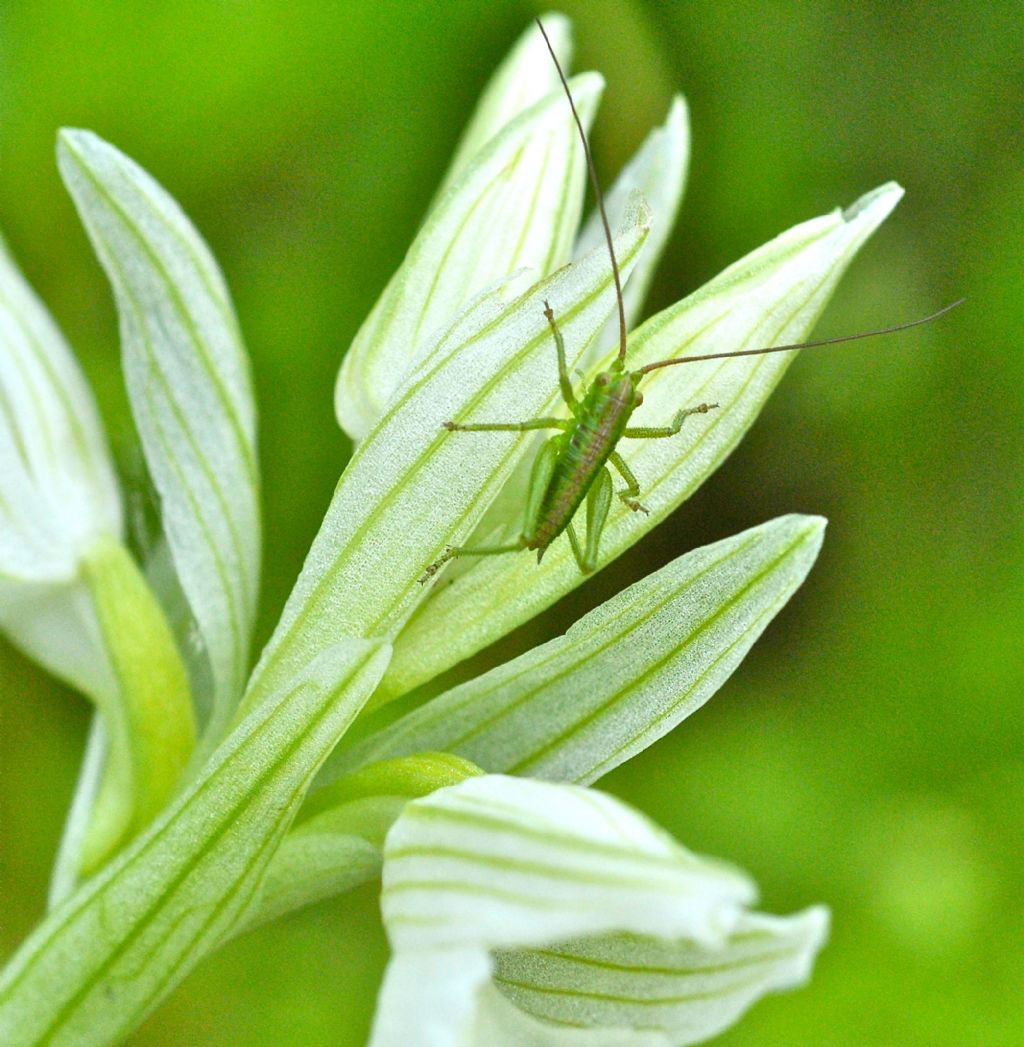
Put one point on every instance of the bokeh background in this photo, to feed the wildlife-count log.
(868, 753)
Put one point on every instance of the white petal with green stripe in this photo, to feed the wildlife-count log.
(525, 76)
(412, 487)
(774, 295)
(623, 676)
(516, 204)
(685, 991)
(584, 917)
(658, 171)
(188, 381)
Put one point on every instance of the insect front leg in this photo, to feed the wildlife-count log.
(506, 427)
(647, 432)
(563, 369)
(631, 493)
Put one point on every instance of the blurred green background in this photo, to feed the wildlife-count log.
(868, 753)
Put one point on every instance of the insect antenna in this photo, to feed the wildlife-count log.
(800, 345)
(621, 358)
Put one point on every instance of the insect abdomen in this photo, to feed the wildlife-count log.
(602, 417)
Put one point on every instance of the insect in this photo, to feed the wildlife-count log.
(572, 467)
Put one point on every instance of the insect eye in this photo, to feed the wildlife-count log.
(639, 399)
(602, 378)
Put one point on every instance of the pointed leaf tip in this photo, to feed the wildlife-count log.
(515, 204)
(188, 381)
(876, 204)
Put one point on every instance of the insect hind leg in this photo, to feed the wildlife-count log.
(598, 502)
(577, 552)
(453, 551)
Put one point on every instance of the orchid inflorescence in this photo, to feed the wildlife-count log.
(522, 906)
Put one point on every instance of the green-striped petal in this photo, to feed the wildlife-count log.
(770, 297)
(412, 487)
(637, 984)
(573, 907)
(525, 76)
(188, 381)
(623, 676)
(515, 205)
(658, 171)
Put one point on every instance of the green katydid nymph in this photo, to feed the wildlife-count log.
(572, 466)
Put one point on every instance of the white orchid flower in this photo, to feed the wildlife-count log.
(530, 913)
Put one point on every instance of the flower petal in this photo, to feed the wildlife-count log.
(582, 911)
(505, 862)
(516, 204)
(687, 992)
(58, 491)
(188, 382)
(772, 296)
